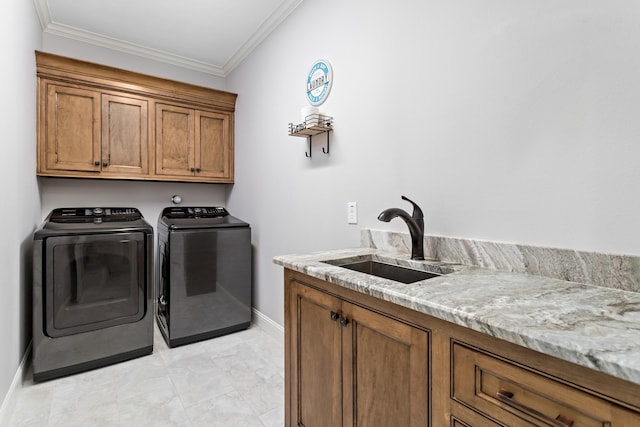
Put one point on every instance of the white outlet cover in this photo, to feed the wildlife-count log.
(352, 212)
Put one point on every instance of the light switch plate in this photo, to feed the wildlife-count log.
(352, 212)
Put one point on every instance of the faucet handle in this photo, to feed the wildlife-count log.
(417, 212)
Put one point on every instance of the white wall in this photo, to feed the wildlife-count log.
(506, 121)
(20, 207)
(149, 197)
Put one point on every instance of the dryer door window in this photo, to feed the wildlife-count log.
(93, 281)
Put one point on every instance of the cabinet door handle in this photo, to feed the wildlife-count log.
(506, 396)
(198, 169)
(96, 163)
(344, 321)
(193, 169)
(105, 164)
(334, 315)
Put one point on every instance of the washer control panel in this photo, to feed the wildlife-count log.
(92, 214)
(195, 212)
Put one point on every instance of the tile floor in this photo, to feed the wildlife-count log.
(232, 381)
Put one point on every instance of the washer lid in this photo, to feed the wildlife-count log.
(71, 221)
(184, 218)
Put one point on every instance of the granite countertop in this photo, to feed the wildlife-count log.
(592, 326)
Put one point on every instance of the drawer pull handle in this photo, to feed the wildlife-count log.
(562, 419)
(506, 396)
(334, 315)
(344, 321)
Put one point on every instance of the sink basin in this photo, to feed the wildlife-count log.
(391, 272)
(379, 268)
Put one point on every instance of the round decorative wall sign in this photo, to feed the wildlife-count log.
(319, 82)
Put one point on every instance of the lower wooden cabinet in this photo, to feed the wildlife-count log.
(516, 396)
(471, 420)
(355, 360)
(352, 366)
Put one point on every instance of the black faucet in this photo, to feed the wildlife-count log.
(415, 222)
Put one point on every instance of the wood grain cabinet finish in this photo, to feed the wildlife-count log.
(517, 396)
(102, 122)
(192, 143)
(72, 129)
(355, 360)
(125, 135)
(472, 420)
(351, 366)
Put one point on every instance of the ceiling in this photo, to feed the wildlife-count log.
(210, 36)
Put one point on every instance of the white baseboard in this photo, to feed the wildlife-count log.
(9, 402)
(268, 325)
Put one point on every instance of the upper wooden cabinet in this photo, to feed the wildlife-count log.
(72, 131)
(192, 142)
(125, 135)
(94, 133)
(102, 122)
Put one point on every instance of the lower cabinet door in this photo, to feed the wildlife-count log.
(350, 366)
(316, 359)
(385, 371)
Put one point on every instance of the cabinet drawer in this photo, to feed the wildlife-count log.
(517, 396)
(474, 420)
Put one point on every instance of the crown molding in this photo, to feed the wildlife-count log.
(42, 9)
(132, 49)
(270, 24)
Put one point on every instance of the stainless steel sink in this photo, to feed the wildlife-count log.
(385, 270)
(391, 272)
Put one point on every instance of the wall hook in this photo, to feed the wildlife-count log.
(323, 150)
(324, 124)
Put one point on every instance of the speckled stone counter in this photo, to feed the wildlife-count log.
(593, 326)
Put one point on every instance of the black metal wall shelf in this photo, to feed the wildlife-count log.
(313, 125)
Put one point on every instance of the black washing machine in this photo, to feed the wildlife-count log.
(92, 290)
(203, 278)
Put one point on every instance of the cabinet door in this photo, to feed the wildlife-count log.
(125, 141)
(316, 359)
(212, 144)
(386, 367)
(72, 129)
(175, 140)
